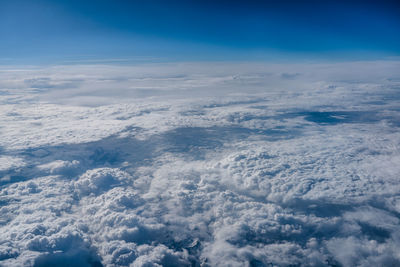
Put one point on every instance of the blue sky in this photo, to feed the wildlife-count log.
(63, 30)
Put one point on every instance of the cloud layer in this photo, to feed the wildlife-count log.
(200, 165)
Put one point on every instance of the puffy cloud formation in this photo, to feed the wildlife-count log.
(200, 165)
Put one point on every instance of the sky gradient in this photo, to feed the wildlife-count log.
(61, 30)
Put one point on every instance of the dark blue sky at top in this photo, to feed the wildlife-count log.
(54, 30)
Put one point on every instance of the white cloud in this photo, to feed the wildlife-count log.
(58, 166)
(181, 164)
(7, 162)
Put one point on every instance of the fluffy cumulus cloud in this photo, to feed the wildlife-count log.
(200, 165)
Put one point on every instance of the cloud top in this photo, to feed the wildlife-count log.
(240, 165)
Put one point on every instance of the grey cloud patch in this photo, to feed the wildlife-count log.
(48, 83)
(290, 76)
(273, 176)
(337, 117)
